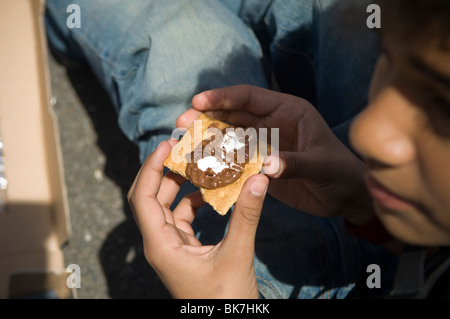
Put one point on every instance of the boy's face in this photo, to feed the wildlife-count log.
(404, 136)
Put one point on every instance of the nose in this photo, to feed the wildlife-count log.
(384, 132)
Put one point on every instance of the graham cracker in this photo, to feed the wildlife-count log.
(222, 198)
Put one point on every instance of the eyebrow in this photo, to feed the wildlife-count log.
(437, 76)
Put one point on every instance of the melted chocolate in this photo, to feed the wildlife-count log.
(229, 172)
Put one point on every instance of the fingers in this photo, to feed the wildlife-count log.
(143, 194)
(241, 105)
(170, 186)
(248, 98)
(272, 166)
(245, 217)
(185, 212)
(186, 119)
(239, 118)
(294, 165)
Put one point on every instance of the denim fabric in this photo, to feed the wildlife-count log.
(152, 56)
(303, 256)
(320, 50)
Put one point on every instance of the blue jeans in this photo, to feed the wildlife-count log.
(153, 56)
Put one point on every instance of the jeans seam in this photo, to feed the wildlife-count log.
(268, 284)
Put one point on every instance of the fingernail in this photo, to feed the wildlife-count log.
(272, 166)
(258, 188)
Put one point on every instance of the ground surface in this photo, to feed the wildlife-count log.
(100, 165)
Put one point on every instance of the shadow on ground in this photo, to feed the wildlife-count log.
(127, 273)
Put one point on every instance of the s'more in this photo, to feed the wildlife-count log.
(218, 158)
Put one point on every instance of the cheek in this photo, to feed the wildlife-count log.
(415, 228)
(434, 163)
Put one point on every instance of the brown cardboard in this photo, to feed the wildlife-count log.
(35, 222)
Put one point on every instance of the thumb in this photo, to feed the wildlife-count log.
(289, 165)
(245, 217)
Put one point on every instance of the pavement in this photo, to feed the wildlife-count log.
(100, 165)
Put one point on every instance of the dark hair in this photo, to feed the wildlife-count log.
(417, 20)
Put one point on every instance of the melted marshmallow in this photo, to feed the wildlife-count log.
(213, 163)
(230, 142)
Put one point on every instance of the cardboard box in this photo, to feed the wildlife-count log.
(35, 221)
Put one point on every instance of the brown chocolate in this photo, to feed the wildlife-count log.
(228, 169)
